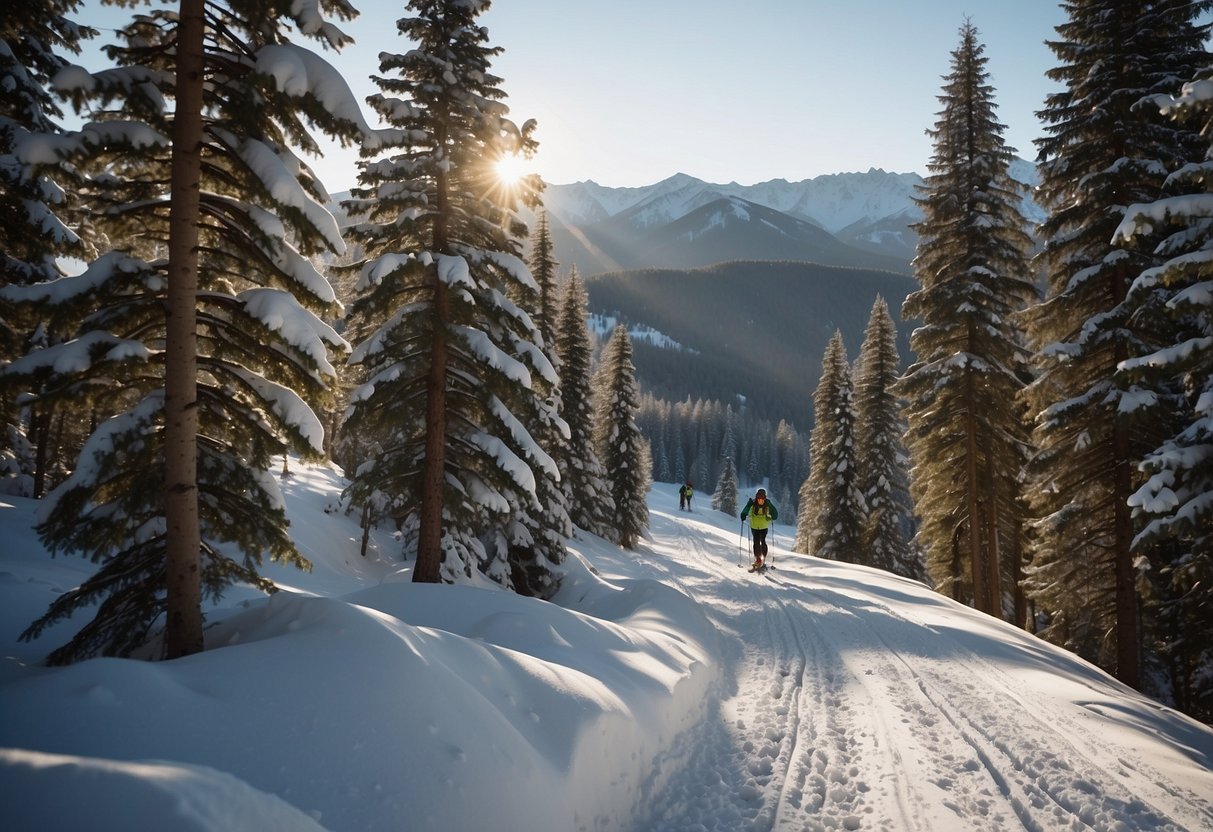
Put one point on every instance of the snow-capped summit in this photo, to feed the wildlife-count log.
(868, 213)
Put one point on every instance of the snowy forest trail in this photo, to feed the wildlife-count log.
(853, 699)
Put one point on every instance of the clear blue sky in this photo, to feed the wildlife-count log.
(628, 92)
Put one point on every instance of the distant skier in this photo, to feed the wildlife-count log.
(684, 496)
(762, 513)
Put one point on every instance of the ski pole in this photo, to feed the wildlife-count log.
(772, 563)
(741, 546)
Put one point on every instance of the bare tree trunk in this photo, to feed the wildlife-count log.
(366, 528)
(183, 631)
(428, 568)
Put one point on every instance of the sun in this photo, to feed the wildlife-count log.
(511, 169)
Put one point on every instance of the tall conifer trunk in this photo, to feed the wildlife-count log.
(428, 568)
(977, 563)
(993, 554)
(1128, 628)
(183, 633)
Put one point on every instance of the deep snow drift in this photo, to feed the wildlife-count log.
(664, 689)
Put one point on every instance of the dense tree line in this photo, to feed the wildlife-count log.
(1060, 440)
(730, 347)
(691, 440)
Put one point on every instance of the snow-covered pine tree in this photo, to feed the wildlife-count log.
(819, 442)
(753, 468)
(725, 497)
(792, 469)
(678, 465)
(618, 439)
(832, 512)
(455, 370)
(965, 435)
(544, 271)
(534, 541)
(879, 452)
(701, 471)
(202, 337)
(728, 439)
(1100, 154)
(590, 503)
(36, 190)
(1175, 503)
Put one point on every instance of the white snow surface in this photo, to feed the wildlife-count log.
(297, 71)
(663, 689)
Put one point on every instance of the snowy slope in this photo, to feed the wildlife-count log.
(665, 689)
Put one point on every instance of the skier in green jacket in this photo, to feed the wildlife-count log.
(685, 493)
(762, 513)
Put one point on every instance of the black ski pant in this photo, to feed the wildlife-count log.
(760, 543)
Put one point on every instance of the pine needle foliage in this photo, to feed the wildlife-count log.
(39, 221)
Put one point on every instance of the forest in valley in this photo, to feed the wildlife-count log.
(180, 314)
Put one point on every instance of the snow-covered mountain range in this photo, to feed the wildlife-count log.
(851, 219)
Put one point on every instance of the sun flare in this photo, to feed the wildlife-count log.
(511, 169)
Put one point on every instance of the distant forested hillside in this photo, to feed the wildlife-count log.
(757, 329)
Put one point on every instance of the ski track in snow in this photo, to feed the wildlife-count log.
(822, 724)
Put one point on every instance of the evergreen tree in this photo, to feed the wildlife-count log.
(620, 445)
(35, 229)
(790, 471)
(661, 452)
(456, 375)
(881, 456)
(202, 334)
(590, 502)
(534, 542)
(544, 269)
(728, 441)
(702, 470)
(678, 466)
(1175, 503)
(725, 497)
(1100, 154)
(832, 511)
(753, 465)
(965, 435)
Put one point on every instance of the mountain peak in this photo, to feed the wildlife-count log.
(680, 180)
